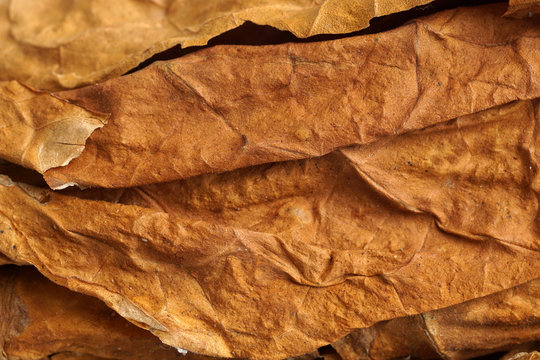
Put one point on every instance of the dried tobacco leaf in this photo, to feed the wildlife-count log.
(233, 106)
(535, 355)
(477, 327)
(488, 155)
(72, 356)
(320, 246)
(4, 260)
(39, 318)
(54, 44)
(529, 347)
(40, 131)
(523, 8)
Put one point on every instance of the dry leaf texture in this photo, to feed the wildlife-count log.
(523, 8)
(40, 131)
(320, 246)
(39, 318)
(55, 44)
(233, 106)
(535, 355)
(474, 328)
(529, 347)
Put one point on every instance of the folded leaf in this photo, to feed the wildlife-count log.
(523, 8)
(483, 168)
(477, 327)
(39, 319)
(535, 355)
(41, 131)
(234, 106)
(319, 246)
(530, 347)
(54, 44)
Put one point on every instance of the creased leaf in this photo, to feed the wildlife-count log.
(40, 131)
(54, 44)
(491, 154)
(535, 355)
(233, 106)
(39, 318)
(530, 347)
(478, 327)
(319, 246)
(523, 8)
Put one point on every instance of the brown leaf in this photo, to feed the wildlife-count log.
(39, 318)
(535, 355)
(231, 106)
(54, 44)
(40, 131)
(4, 260)
(318, 246)
(489, 155)
(523, 8)
(529, 347)
(477, 327)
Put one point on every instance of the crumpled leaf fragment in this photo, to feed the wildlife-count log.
(197, 261)
(478, 327)
(39, 318)
(535, 355)
(41, 131)
(228, 107)
(523, 8)
(55, 44)
(530, 347)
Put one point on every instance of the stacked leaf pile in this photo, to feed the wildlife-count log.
(300, 187)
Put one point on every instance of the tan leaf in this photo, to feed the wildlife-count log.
(489, 155)
(54, 44)
(477, 327)
(530, 347)
(523, 8)
(279, 259)
(39, 318)
(535, 355)
(229, 107)
(39, 130)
